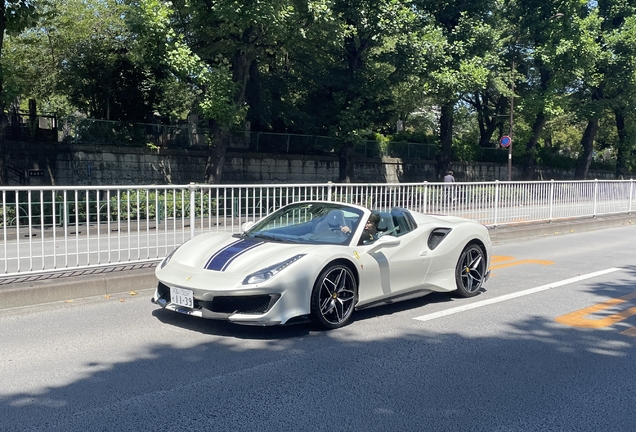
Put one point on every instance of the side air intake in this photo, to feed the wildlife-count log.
(436, 237)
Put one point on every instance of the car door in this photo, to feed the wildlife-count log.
(393, 270)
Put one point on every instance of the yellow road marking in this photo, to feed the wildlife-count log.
(500, 258)
(507, 261)
(529, 261)
(577, 318)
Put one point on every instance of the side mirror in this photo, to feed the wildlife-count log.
(383, 242)
(247, 225)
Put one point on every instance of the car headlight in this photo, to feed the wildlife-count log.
(166, 260)
(269, 272)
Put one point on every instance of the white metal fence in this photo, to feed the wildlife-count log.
(62, 228)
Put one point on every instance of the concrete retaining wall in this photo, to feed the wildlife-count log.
(76, 165)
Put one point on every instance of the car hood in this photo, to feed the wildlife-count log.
(223, 253)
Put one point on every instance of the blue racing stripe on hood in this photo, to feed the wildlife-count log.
(222, 258)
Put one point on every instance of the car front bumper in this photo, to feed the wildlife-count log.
(277, 302)
(247, 309)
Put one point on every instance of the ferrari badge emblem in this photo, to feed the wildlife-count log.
(188, 278)
(355, 254)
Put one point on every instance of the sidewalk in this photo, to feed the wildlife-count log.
(540, 229)
(118, 280)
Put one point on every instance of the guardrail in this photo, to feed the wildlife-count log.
(63, 228)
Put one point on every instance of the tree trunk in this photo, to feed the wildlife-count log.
(3, 147)
(623, 144)
(254, 98)
(537, 127)
(488, 119)
(3, 118)
(216, 156)
(485, 134)
(346, 163)
(446, 139)
(242, 63)
(241, 67)
(531, 146)
(587, 142)
(354, 51)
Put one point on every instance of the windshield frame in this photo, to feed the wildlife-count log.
(300, 223)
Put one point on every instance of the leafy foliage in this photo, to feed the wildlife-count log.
(449, 72)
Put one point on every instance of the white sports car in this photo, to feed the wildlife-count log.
(321, 260)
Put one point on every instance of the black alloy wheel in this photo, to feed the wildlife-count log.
(470, 271)
(334, 295)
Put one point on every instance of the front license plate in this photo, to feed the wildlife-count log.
(181, 297)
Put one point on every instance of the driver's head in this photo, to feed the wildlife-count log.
(374, 219)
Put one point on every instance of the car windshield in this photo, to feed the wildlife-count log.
(309, 223)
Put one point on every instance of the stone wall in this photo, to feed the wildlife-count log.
(73, 165)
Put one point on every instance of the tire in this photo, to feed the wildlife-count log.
(470, 271)
(334, 296)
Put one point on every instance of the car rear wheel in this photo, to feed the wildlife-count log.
(333, 297)
(470, 271)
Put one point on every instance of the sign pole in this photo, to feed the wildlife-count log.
(512, 109)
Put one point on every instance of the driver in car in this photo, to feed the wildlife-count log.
(370, 228)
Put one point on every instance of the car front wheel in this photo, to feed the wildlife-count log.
(470, 271)
(333, 297)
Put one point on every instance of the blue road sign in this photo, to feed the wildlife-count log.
(505, 141)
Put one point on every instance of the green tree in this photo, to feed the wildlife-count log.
(356, 94)
(15, 16)
(215, 47)
(588, 99)
(541, 39)
(98, 70)
(88, 56)
(619, 27)
(466, 30)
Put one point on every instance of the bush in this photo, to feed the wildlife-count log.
(7, 212)
(141, 204)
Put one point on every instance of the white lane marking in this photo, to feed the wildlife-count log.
(499, 299)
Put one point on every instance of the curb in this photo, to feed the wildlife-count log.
(34, 290)
(69, 285)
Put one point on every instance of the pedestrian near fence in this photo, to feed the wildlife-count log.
(449, 190)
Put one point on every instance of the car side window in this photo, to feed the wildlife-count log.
(386, 225)
(403, 220)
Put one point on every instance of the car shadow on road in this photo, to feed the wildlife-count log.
(226, 328)
(401, 306)
(299, 328)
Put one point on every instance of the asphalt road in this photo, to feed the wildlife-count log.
(541, 349)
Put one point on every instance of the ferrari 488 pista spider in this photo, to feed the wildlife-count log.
(322, 260)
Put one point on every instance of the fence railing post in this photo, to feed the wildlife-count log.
(595, 197)
(631, 190)
(329, 190)
(496, 206)
(425, 198)
(193, 209)
(551, 200)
